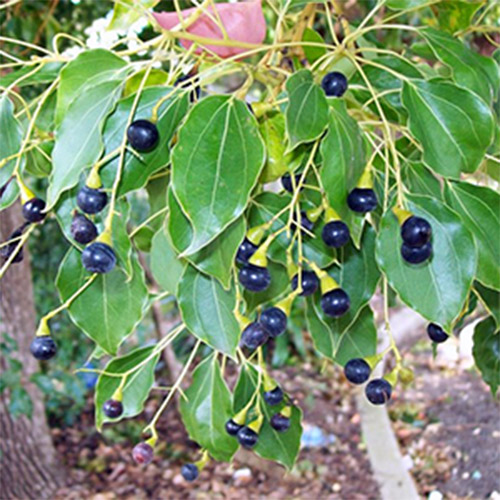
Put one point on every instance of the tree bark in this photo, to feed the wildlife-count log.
(29, 467)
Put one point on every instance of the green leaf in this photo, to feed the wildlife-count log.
(78, 143)
(215, 165)
(137, 386)
(38, 161)
(156, 77)
(47, 74)
(471, 70)
(207, 311)
(454, 126)
(357, 341)
(419, 180)
(10, 195)
(11, 134)
(438, 288)
(307, 110)
(490, 300)
(137, 170)
(479, 208)
(486, 352)
(404, 4)
(207, 409)
(90, 68)
(127, 12)
(281, 447)
(167, 269)
(456, 15)
(343, 153)
(313, 53)
(110, 308)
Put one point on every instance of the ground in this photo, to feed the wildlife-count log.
(447, 425)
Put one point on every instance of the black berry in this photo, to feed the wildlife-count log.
(254, 335)
(98, 258)
(310, 283)
(33, 210)
(195, 92)
(280, 423)
(189, 472)
(255, 278)
(143, 453)
(305, 223)
(91, 201)
(335, 303)
(357, 371)
(286, 182)
(245, 251)
(112, 408)
(7, 250)
(416, 231)
(362, 200)
(416, 255)
(142, 135)
(274, 397)
(378, 391)
(334, 84)
(436, 333)
(83, 230)
(43, 348)
(335, 233)
(232, 427)
(247, 437)
(274, 321)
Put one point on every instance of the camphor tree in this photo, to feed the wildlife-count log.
(354, 170)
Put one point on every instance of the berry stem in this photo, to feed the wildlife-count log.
(12, 256)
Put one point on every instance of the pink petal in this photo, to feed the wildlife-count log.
(244, 22)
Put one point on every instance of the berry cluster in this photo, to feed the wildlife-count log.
(416, 233)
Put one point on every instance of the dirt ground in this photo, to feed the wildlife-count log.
(447, 424)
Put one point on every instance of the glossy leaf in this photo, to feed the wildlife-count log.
(418, 179)
(88, 69)
(137, 386)
(166, 267)
(479, 208)
(438, 288)
(471, 70)
(404, 4)
(78, 142)
(486, 352)
(207, 310)
(206, 410)
(9, 195)
(11, 134)
(490, 299)
(306, 115)
(454, 126)
(127, 12)
(215, 165)
(110, 308)
(313, 53)
(281, 447)
(137, 169)
(46, 74)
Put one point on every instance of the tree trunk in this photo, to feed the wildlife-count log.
(29, 467)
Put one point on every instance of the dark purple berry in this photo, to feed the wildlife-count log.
(378, 391)
(189, 472)
(7, 250)
(33, 210)
(254, 335)
(362, 200)
(335, 233)
(143, 135)
(247, 437)
(83, 230)
(280, 423)
(416, 255)
(43, 347)
(274, 321)
(255, 278)
(183, 82)
(357, 371)
(98, 258)
(306, 225)
(334, 84)
(91, 201)
(416, 231)
(335, 303)
(436, 333)
(286, 181)
(274, 397)
(112, 408)
(245, 251)
(310, 283)
(143, 453)
(232, 427)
